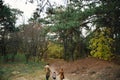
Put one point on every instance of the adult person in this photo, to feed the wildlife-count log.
(48, 71)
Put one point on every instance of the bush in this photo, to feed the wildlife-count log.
(101, 44)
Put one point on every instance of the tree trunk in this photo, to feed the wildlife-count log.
(3, 48)
(27, 56)
(65, 49)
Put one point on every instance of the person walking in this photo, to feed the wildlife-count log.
(61, 74)
(48, 71)
(54, 75)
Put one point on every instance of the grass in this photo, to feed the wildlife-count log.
(19, 68)
(10, 70)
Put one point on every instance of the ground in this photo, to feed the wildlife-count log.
(83, 69)
(89, 69)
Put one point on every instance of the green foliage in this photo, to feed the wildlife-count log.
(6, 18)
(67, 23)
(101, 44)
(8, 41)
(55, 50)
(108, 14)
(20, 57)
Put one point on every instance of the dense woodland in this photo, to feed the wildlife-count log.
(81, 28)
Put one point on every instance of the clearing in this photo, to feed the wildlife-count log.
(83, 69)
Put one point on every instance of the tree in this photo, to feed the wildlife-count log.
(108, 14)
(67, 23)
(34, 42)
(7, 25)
(13, 43)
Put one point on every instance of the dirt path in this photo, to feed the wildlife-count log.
(84, 69)
(37, 75)
(53, 69)
(88, 69)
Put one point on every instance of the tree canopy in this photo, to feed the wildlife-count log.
(99, 18)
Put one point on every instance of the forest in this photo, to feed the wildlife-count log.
(77, 30)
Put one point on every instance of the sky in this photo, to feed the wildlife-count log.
(28, 8)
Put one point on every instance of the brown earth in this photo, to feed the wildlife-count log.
(83, 69)
(88, 69)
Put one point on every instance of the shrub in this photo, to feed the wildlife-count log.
(101, 44)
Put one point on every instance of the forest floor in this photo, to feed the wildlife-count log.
(83, 69)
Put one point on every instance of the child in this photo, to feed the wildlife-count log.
(61, 73)
(54, 75)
